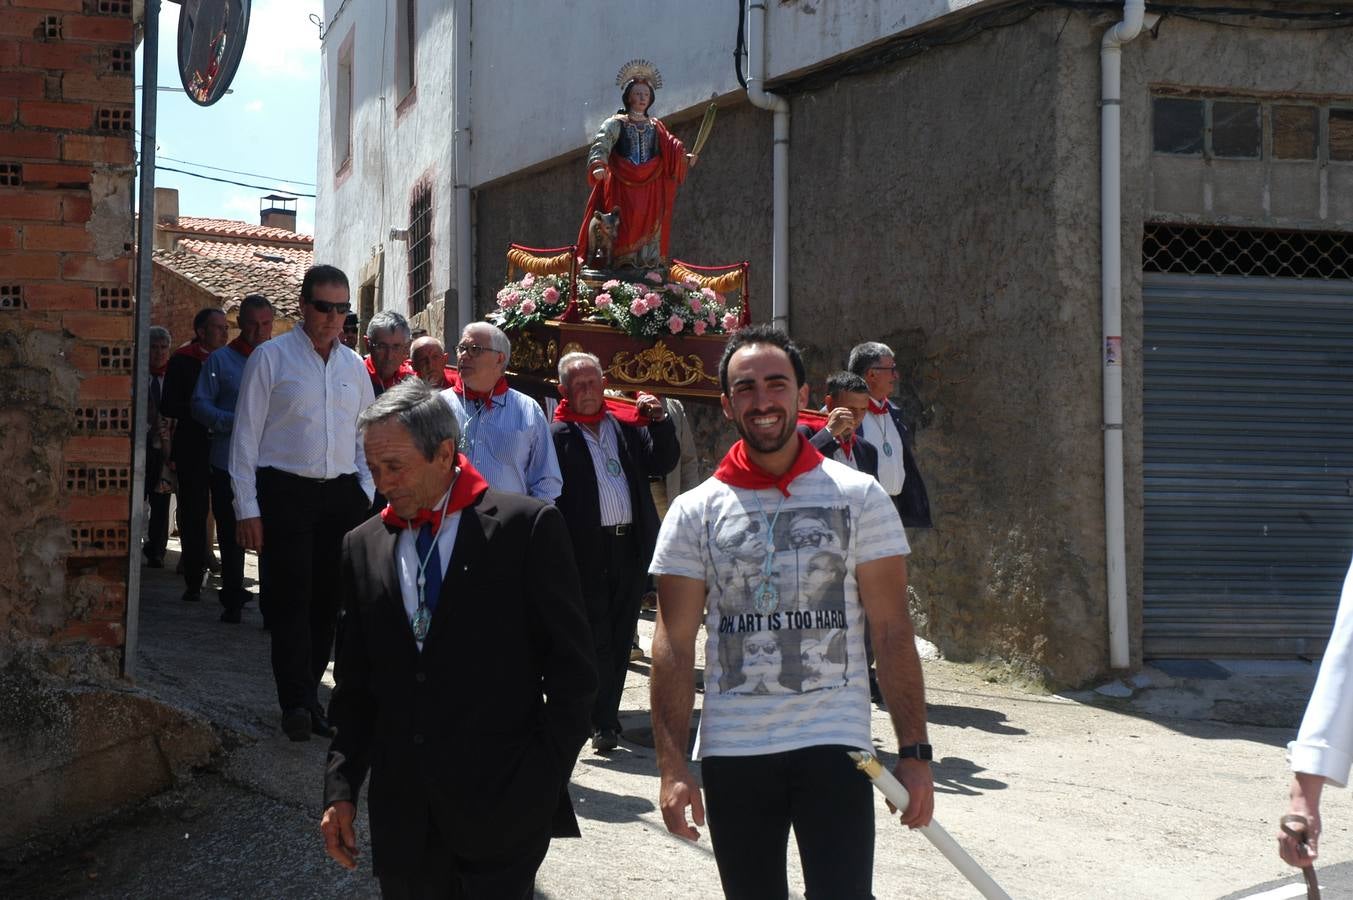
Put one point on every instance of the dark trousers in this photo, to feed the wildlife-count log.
(443, 876)
(612, 596)
(752, 801)
(232, 554)
(194, 495)
(304, 521)
(157, 528)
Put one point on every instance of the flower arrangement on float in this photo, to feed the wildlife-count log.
(655, 308)
(535, 298)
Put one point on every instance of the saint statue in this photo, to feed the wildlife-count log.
(634, 166)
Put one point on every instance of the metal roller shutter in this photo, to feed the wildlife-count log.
(1247, 463)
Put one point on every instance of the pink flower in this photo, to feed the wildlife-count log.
(527, 280)
(551, 295)
(696, 305)
(510, 300)
(675, 324)
(527, 307)
(652, 300)
(730, 321)
(674, 288)
(653, 277)
(613, 283)
(721, 298)
(502, 301)
(713, 317)
(699, 326)
(603, 301)
(691, 283)
(638, 308)
(709, 294)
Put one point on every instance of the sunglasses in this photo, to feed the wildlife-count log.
(327, 308)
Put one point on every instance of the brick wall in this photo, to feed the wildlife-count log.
(66, 332)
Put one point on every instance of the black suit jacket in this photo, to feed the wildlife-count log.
(480, 740)
(913, 504)
(191, 446)
(644, 453)
(866, 454)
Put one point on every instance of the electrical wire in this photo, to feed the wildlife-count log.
(189, 162)
(257, 187)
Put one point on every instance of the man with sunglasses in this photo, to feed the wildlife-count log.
(502, 431)
(301, 482)
(883, 427)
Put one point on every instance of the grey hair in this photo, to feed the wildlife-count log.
(865, 356)
(498, 338)
(571, 360)
(420, 409)
(388, 320)
(253, 301)
(161, 333)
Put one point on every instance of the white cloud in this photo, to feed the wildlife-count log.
(282, 40)
(253, 106)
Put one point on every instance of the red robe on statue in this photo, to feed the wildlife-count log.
(644, 194)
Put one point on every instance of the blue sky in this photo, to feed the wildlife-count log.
(267, 127)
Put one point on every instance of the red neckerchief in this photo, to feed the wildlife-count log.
(405, 371)
(498, 390)
(848, 447)
(468, 487)
(159, 371)
(738, 470)
(194, 350)
(625, 413)
(878, 407)
(241, 346)
(450, 377)
(813, 419)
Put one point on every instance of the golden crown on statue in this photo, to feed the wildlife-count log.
(639, 70)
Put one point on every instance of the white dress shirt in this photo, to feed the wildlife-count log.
(613, 489)
(406, 558)
(880, 430)
(298, 413)
(1324, 744)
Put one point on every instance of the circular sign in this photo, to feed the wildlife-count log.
(211, 43)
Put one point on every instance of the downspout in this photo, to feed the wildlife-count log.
(756, 92)
(460, 165)
(1111, 286)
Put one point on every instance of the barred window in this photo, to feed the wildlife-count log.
(1253, 252)
(420, 248)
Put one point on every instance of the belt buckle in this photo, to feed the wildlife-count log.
(622, 529)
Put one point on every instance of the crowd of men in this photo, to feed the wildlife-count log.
(408, 514)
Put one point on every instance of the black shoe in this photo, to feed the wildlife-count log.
(192, 596)
(605, 741)
(231, 615)
(319, 725)
(154, 562)
(296, 724)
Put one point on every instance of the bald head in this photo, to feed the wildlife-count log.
(429, 361)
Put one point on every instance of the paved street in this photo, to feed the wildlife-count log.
(1056, 798)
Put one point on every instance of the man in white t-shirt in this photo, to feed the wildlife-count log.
(780, 555)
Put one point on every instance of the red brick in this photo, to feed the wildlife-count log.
(57, 5)
(57, 237)
(65, 116)
(97, 450)
(76, 208)
(23, 85)
(30, 265)
(9, 54)
(111, 150)
(48, 174)
(9, 110)
(62, 56)
(107, 387)
(30, 205)
(81, 86)
(100, 327)
(81, 267)
(9, 237)
(59, 297)
(97, 28)
(20, 23)
(105, 634)
(97, 509)
(35, 144)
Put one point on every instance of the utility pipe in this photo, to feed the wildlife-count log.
(460, 165)
(760, 97)
(1111, 288)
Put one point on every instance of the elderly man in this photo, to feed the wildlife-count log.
(301, 483)
(611, 517)
(883, 427)
(192, 444)
(503, 431)
(467, 785)
(387, 340)
(157, 443)
(430, 362)
(214, 399)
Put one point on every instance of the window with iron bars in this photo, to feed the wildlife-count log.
(1250, 252)
(420, 249)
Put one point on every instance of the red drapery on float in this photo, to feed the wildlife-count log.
(644, 194)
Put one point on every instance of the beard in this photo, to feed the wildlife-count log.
(762, 443)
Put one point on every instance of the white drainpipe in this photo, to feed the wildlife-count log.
(460, 166)
(756, 92)
(1111, 278)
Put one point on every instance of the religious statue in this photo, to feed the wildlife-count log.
(634, 165)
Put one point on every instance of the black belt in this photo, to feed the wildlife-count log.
(291, 476)
(617, 530)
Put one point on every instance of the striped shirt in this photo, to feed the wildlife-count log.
(509, 443)
(613, 489)
(788, 671)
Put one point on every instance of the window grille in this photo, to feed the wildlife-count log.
(106, 418)
(11, 296)
(11, 174)
(115, 298)
(87, 478)
(107, 539)
(1207, 250)
(114, 119)
(115, 358)
(420, 249)
(51, 26)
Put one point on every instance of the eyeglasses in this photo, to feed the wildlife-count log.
(378, 347)
(327, 308)
(472, 349)
(883, 368)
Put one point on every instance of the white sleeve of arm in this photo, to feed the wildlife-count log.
(1324, 744)
(251, 414)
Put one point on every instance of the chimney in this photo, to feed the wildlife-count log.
(166, 213)
(276, 211)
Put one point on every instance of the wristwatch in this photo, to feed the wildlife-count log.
(922, 752)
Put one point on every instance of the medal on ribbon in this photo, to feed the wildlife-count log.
(613, 466)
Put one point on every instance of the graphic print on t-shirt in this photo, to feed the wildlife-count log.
(794, 639)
